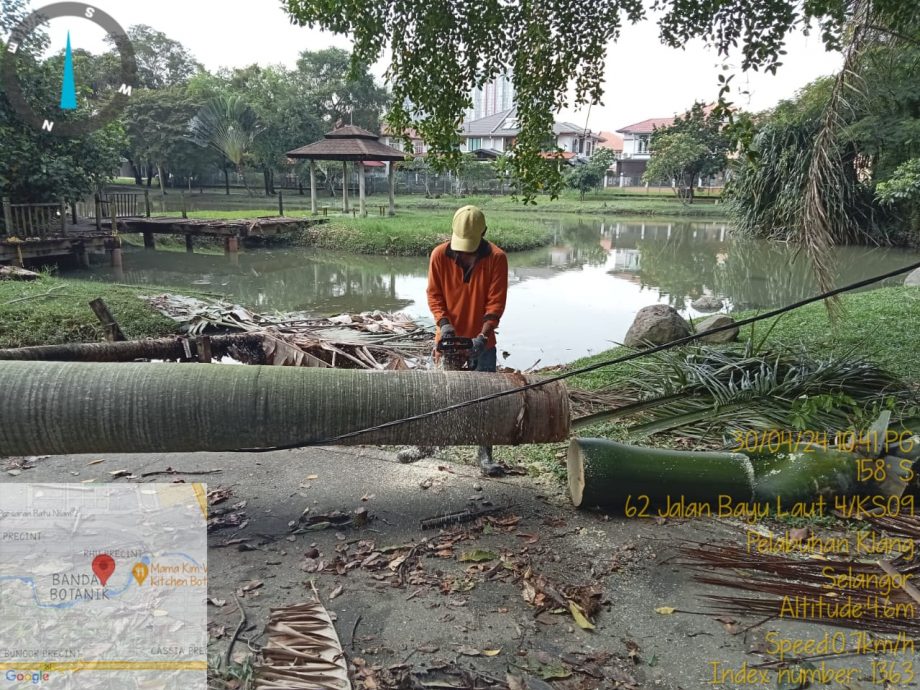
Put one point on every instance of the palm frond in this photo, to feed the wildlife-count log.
(707, 392)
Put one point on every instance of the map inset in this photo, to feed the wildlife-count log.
(103, 586)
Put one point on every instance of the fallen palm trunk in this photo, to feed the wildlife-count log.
(68, 407)
(803, 474)
(607, 474)
(128, 351)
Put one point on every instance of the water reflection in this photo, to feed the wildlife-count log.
(574, 297)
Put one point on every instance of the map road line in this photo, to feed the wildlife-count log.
(51, 666)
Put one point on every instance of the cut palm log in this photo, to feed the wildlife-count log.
(74, 407)
(606, 474)
(803, 474)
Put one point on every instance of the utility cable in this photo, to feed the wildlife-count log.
(593, 367)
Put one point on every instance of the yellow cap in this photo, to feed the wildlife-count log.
(468, 227)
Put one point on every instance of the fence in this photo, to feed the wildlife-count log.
(123, 204)
(33, 220)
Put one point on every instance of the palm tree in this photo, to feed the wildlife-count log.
(228, 125)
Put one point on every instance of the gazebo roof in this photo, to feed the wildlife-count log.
(348, 143)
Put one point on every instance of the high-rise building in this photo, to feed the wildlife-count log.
(493, 97)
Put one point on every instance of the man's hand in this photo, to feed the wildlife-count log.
(447, 331)
(479, 345)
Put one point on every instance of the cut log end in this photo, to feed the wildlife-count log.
(575, 465)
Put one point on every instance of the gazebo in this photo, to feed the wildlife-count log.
(349, 143)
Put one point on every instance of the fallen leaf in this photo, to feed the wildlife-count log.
(311, 477)
(94, 462)
(468, 651)
(579, 615)
(529, 538)
(251, 585)
(336, 592)
(491, 652)
(477, 556)
(632, 651)
(514, 682)
(119, 473)
(217, 602)
(665, 610)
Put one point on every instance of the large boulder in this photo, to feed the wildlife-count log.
(656, 325)
(913, 278)
(707, 303)
(717, 321)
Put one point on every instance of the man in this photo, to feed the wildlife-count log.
(467, 288)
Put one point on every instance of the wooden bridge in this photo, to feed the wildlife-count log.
(52, 230)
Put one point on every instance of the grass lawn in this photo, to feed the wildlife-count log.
(410, 233)
(57, 311)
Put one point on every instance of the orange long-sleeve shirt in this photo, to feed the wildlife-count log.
(468, 298)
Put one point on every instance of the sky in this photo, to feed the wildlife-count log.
(643, 78)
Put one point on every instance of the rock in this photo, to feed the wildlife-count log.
(913, 278)
(656, 325)
(717, 321)
(707, 303)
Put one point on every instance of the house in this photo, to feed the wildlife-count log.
(634, 159)
(613, 142)
(496, 134)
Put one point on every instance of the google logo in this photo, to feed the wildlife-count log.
(35, 677)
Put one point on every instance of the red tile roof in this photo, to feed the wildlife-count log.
(611, 141)
(647, 126)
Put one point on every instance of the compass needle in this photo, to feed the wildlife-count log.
(68, 86)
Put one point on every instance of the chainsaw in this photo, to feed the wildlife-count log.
(456, 353)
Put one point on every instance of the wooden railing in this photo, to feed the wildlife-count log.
(33, 220)
(124, 205)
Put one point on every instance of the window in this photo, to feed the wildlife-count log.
(473, 144)
(643, 144)
(419, 148)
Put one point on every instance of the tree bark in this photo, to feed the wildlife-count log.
(68, 407)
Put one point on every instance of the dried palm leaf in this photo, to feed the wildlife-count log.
(303, 651)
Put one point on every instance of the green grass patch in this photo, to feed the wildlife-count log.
(410, 233)
(53, 311)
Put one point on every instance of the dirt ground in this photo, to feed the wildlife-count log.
(479, 597)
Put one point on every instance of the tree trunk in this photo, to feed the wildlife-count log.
(266, 183)
(128, 351)
(70, 407)
(138, 180)
(226, 181)
(160, 175)
(149, 175)
(804, 474)
(607, 474)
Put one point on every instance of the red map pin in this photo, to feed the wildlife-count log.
(103, 566)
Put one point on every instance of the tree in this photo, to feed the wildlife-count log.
(676, 160)
(440, 51)
(333, 92)
(695, 145)
(161, 61)
(228, 126)
(587, 176)
(157, 123)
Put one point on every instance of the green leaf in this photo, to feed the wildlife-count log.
(579, 615)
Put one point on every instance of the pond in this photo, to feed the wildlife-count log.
(576, 297)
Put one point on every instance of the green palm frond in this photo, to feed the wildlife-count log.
(707, 392)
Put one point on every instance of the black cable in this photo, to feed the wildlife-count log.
(592, 367)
